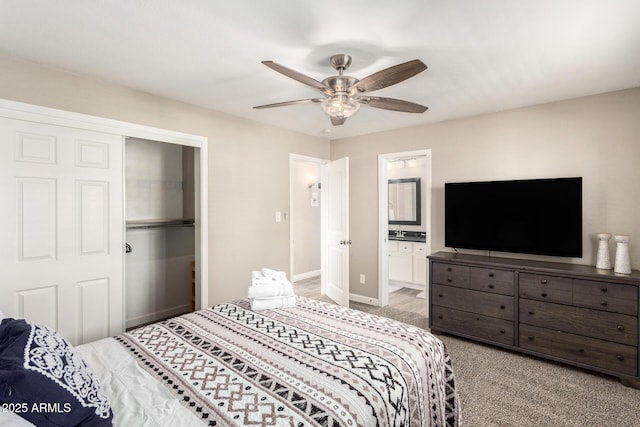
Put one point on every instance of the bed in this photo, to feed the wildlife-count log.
(313, 364)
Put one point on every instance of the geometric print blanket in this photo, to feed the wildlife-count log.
(316, 364)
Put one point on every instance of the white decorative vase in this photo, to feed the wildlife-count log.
(623, 264)
(603, 260)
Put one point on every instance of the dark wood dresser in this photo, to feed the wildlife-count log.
(569, 313)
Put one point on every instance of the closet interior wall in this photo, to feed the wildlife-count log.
(159, 210)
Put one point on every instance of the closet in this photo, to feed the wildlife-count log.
(73, 188)
(160, 238)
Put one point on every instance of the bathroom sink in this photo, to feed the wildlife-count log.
(409, 236)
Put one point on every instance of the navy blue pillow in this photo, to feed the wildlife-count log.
(45, 381)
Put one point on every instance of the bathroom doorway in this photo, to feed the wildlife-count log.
(404, 221)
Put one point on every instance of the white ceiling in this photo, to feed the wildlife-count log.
(483, 55)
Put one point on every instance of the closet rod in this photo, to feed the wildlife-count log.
(155, 223)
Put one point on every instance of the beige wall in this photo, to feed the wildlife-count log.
(596, 137)
(248, 164)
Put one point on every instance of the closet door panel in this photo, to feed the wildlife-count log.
(62, 260)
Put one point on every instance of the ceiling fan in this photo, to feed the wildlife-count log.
(345, 94)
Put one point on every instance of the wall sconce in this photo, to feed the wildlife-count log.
(315, 195)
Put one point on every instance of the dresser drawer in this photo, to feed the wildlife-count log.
(583, 321)
(491, 280)
(493, 305)
(475, 325)
(450, 274)
(545, 288)
(590, 351)
(606, 296)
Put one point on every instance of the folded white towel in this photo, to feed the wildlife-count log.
(257, 278)
(274, 289)
(277, 275)
(271, 303)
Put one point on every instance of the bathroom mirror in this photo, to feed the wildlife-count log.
(404, 201)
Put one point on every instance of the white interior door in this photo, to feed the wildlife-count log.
(335, 231)
(62, 218)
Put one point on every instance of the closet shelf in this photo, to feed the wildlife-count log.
(155, 223)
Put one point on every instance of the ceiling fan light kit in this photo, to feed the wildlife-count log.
(340, 105)
(343, 93)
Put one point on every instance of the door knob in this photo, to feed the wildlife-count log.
(127, 248)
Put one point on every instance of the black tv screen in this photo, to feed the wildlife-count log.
(536, 216)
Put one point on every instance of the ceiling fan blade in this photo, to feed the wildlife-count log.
(392, 104)
(337, 121)
(390, 76)
(299, 77)
(284, 104)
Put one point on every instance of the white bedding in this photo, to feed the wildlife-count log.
(140, 399)
(9, 419)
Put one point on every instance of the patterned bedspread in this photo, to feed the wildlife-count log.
(314, 364)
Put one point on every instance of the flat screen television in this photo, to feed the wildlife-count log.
(534, 216)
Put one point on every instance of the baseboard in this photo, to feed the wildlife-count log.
(307, 275)
(157, 315)
(364, 300)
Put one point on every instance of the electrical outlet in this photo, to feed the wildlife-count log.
(362, 279)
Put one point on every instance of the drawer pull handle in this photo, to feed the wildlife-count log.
(440, 317)
(530, 337)
(477, 319)
(531, 313)
(502, 331)
(491, 274)
(603, 289)
(581, 351)
(440, 295)
(449, 279)
(544, 294)
(543, 281)
(502, 307)
(490, 286)
(620, 357)
(449, 269)
(620, 328)
(603, 303)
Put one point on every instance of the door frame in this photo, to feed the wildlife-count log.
(383, 217)
(29, 112)
(294, 158)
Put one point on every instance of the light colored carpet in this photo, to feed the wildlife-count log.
(502, 388)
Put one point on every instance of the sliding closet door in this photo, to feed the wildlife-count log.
(62, 226)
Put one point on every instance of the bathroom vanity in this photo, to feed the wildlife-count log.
(407, 257)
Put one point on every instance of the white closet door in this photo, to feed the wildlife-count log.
(61, 260)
